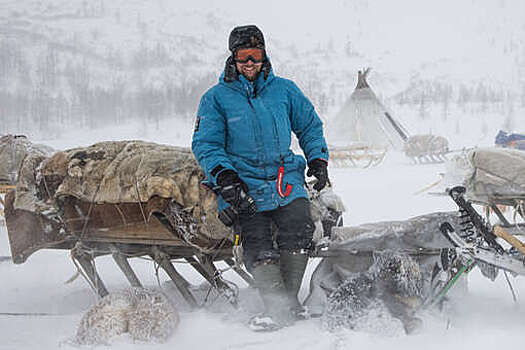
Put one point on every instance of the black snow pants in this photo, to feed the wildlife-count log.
(295, 229)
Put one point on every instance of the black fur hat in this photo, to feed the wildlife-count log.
(245, 37)
(248, 36)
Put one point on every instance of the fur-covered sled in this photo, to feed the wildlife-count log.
(128, 198)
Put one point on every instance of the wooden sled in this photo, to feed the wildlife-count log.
(123, 231)
(356, 156)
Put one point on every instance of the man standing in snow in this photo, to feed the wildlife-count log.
(242, 142)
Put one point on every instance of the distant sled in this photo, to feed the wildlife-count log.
(423, 149)
(516, 141)
(358, 155)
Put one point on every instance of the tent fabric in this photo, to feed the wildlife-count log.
(364, 119)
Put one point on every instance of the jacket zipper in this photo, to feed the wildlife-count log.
(259, 129)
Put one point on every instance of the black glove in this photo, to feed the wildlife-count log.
(235, 192)
(317, 168)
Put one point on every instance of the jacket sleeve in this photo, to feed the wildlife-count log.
(307, 126)
(209, 139)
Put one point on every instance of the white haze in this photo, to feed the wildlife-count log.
(454, 68)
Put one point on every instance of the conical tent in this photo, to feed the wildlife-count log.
(364, 119)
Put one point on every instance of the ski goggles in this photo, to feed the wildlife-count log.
(255, 55)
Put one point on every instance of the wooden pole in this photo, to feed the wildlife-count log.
(89, 269)
(513, 241)
(125, 267)
(182, 285)
(244, 275)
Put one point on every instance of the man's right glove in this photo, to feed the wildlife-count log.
(235, 192)
(318, 168)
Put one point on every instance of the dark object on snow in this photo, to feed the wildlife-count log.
(393, 282)
(504, 139)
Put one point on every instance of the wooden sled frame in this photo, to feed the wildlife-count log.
(357, 156)
(85, 252)
(494, 205)
(162, 247)
(153, 238)
(430, 158)
(506, 230)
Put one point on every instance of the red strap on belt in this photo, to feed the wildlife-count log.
(280, 184)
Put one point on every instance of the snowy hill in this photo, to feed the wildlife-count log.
(89, 63)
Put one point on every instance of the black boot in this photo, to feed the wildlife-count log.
(293, 265)
(268, 281)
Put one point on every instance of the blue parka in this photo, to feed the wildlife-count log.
(247, 127)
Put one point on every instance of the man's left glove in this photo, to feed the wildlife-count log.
(235, 192)
(318, 168)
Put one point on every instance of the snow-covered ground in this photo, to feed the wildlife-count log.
(487, 319)
(414, 47)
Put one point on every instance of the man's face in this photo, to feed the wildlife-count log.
(250, 70)
(249, 62)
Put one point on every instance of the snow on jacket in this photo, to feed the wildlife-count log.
(247, 127)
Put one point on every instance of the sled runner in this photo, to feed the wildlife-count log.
(425, 149)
